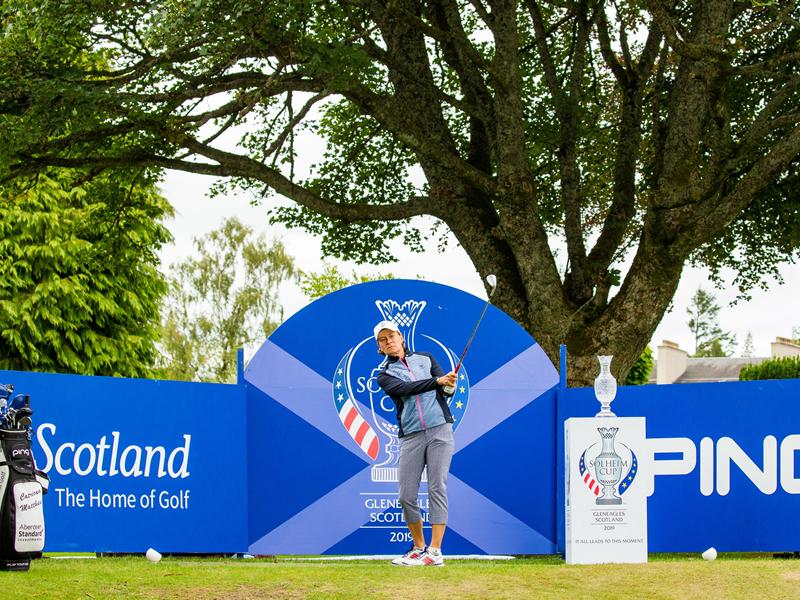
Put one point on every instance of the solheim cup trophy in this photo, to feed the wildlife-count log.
(608, 464)
(605, 387)
(608, 467)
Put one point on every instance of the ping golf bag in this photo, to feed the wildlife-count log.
(22, 486)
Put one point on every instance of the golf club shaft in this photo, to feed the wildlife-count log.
(492, 281)
(450, 389)
(474, 331)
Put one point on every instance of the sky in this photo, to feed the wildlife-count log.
(768, 314)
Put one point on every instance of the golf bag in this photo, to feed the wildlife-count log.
(22, 486)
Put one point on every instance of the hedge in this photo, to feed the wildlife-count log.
(787, 367)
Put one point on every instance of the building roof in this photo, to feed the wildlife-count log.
(703, 370)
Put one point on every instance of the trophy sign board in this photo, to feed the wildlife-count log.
(606, 500)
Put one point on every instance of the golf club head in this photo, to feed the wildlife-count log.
(492, 281)
(23, 417)
(11, 419)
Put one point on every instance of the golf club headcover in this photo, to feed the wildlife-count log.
(19, 401)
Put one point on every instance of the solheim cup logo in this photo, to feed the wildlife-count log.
(608, 483)
(368, 415)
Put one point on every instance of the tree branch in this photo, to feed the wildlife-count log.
(686, 49)
(234, 165)
(540, 36)
(763, 122)
(713, 214)
(631, 79)
(608, 54)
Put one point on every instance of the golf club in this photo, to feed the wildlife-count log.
(5, 398)
(11, 418)
(18, 413)
(492, 281)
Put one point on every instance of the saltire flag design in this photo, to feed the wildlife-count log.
(290, 383)
(356, 426)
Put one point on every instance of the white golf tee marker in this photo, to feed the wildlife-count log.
(710, 554)
(152, 555)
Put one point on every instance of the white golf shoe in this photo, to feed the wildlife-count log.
(412, 558)
(433, 558)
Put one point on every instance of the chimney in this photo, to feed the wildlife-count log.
(784, 347)
(671, 362)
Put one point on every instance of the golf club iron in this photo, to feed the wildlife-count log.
(17, 414)
(11, 418)
(492, 281)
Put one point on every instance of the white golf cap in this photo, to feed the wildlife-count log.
(384, 325)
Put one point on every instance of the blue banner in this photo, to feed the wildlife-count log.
(726, 469)
(135, 463)
(322, 436)
(302, 457)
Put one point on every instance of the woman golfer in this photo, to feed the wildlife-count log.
(415, 381)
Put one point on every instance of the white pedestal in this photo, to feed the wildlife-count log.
(606, 502)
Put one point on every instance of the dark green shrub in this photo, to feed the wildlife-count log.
(787, 367)
(640, 371)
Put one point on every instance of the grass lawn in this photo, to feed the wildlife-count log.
(670, 576)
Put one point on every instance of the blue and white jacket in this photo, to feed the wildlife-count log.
(411, 383)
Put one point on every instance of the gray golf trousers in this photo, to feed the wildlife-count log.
(432, 448)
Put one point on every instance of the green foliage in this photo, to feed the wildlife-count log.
(316, 284)
(222, 298)
(787, 367)
(709, 338)
(760, 240)
(79, 285)
(641, 369)
(632, 133)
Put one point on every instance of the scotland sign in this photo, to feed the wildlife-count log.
(137, 463)
(322, 436)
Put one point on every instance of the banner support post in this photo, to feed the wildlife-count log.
(240, 366)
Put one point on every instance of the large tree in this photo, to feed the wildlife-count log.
(582, 150)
